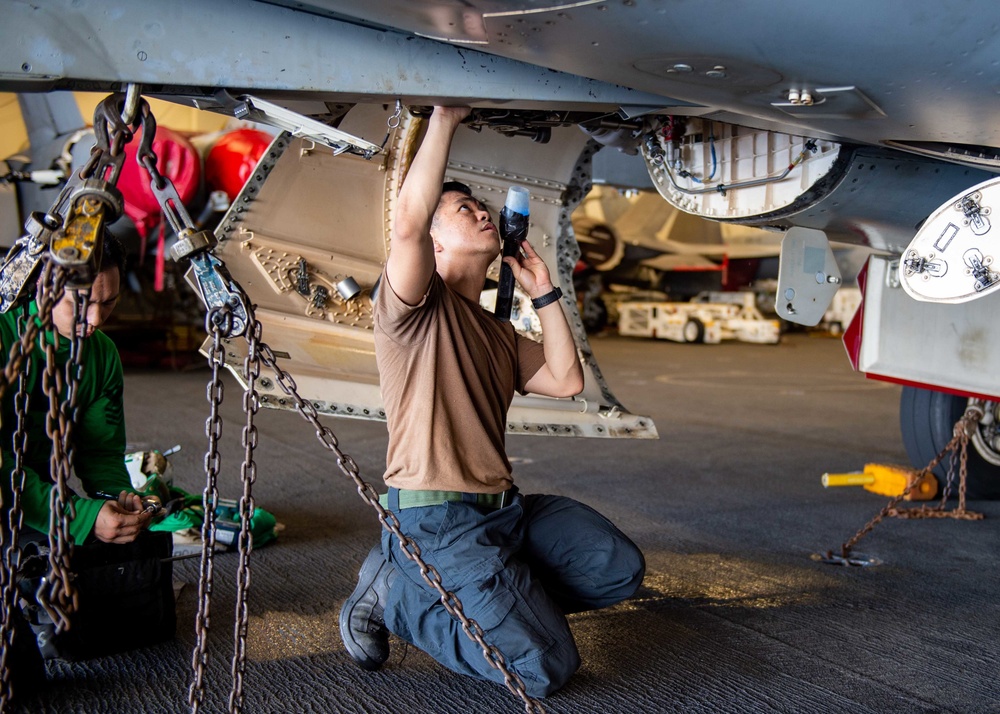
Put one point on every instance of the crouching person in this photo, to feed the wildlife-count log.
(109, 527)
(519, 563)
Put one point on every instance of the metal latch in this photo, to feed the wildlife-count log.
(259, 110)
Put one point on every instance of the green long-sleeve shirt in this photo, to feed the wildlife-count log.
(98, 437)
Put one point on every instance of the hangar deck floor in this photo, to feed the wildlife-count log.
(727, 506)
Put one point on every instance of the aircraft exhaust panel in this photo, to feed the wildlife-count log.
(309, 234)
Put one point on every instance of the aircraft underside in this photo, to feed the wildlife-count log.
(310, 225)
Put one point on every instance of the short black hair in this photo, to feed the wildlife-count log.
(113, 255)
(456, 186)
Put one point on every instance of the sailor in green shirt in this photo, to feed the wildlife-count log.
(110, 511)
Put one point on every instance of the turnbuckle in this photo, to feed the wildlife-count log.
(73, 228)
(22, 261)
(216, 285)
(77, 246)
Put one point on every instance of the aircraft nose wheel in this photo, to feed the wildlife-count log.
(927, 420)
(986, 438)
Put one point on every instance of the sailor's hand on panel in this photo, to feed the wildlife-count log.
(122, 520)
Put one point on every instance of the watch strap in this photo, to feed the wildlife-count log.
(547, 298)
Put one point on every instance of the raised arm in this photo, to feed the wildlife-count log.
(411, 254)
(561, 375)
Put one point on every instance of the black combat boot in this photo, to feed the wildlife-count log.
(362, 627)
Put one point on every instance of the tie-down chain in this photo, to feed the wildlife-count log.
(220, 325)
(957, 448)
(61, 250)
(53, 279)
(230, 315)
(56, 593)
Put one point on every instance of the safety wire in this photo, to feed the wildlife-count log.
(392, 122)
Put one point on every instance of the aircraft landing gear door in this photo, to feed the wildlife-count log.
(808, 276)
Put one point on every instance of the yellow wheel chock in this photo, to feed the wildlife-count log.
(888, 480)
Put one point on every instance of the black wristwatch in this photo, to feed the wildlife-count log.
(543, 300)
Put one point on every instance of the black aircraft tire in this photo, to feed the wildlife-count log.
(927, 420)
(694, 330)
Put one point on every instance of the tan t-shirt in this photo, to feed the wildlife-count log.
(448, 372)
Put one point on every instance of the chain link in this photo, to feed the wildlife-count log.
(56, 593)
(18, 363)
(248, 473)
(392, 123)
(111, 134)
(69, 406)
(19, 351)
(15, 521)
(215, 324)
(959, 449)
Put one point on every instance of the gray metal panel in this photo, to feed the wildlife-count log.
(924, 64)
(616, 168)
(258, 47)
(879, 199)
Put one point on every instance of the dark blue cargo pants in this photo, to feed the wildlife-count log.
(518, 571)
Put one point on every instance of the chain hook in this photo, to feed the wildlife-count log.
(131, 106)
(219, 319)
(974, 413)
